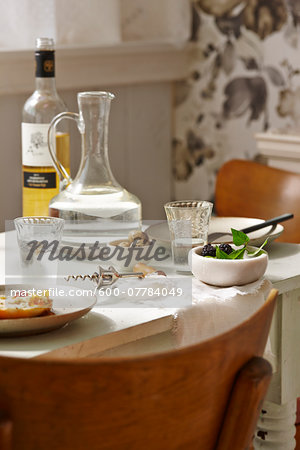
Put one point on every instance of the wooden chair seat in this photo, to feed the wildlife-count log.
(249, 189)
(206, 396)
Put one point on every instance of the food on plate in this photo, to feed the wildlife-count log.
(136, 238)
(147, 270)
(210, 250)
(226, 251)
(226, 248)
(139, 237)
(24, 306)
(140, 267)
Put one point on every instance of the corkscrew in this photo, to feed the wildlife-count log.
(105, 277)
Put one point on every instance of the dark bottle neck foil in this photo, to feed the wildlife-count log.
(45, 64)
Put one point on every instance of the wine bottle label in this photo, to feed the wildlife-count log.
(39, 180)
(35, 150)
(45, 64)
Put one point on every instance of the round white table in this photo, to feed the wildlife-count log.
(123, 330)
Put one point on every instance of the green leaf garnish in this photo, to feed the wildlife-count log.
(239, 238)
(258, 251)
(237, 254)
(220, 254)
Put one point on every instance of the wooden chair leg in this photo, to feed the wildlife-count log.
(247, 396)
(5, 432)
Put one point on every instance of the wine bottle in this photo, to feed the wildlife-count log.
(40, 180)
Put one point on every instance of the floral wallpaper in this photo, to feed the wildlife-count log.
(245, 79)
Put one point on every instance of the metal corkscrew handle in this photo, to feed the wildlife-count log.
(105, 277)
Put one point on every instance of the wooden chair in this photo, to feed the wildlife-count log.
(249, 189)
(206, 396)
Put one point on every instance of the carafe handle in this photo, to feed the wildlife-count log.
(63, 174)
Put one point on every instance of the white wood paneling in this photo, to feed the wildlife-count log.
(281, 151)
(80, 68)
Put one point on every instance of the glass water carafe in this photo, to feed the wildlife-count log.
(93, 203)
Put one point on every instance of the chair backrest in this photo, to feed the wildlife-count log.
(249, 189)
(177, 399)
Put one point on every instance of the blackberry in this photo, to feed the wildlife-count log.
(208, 250)
(226, 248)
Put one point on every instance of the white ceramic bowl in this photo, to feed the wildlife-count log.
(227, 272)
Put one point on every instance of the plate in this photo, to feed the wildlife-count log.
(68, 305)
(77, 241)
(160, 231)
